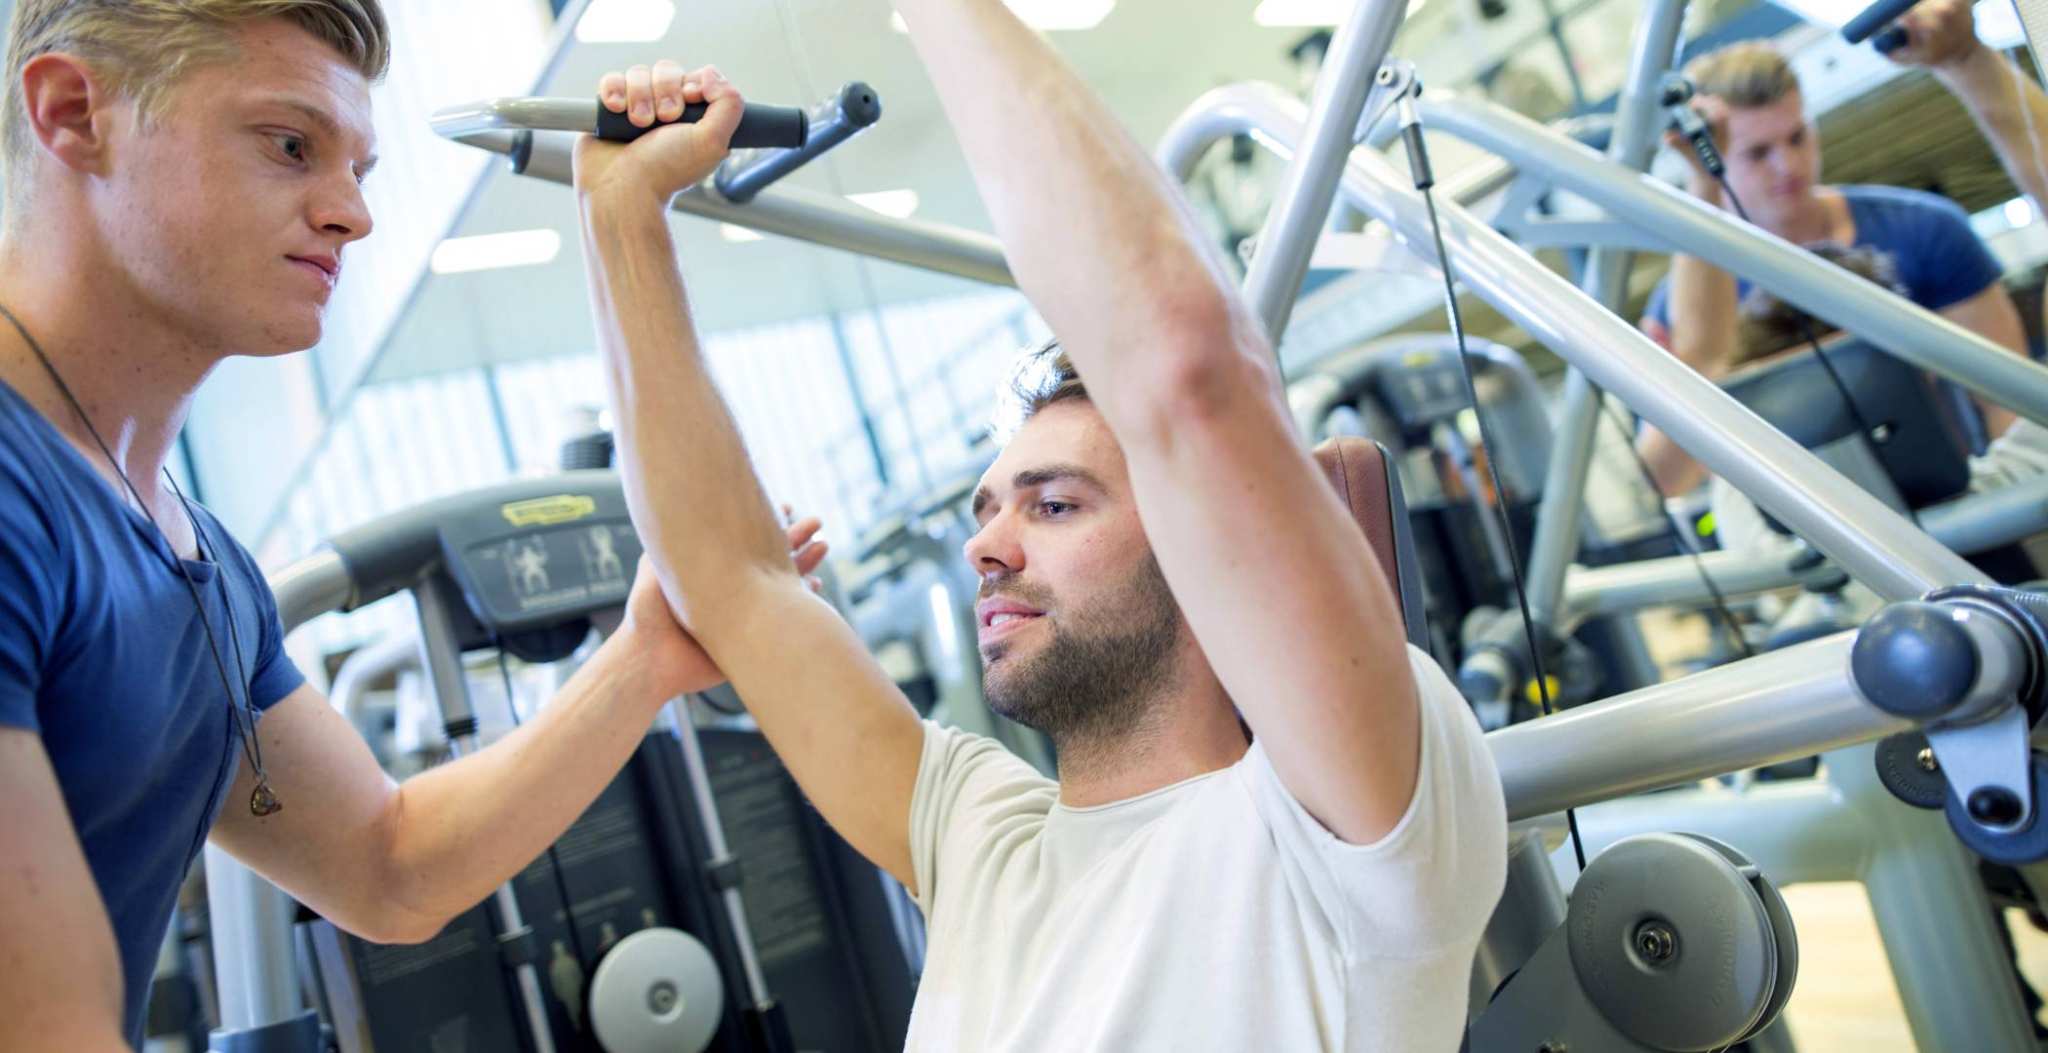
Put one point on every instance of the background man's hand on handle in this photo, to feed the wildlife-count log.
(1941, 35)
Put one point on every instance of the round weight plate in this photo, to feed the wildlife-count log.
(1900, 770)
(1717, 971)
(1781, 925)
(658, 991)
(1780, 915)
(2026, 845)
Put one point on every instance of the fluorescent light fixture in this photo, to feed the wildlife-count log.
(1309, 13)
(735, 233)
(1301, 12)
(1049, 15)
(2018, 212)
(482, 252)
(1831, 13)
(896, 204)
(1998, 24)
(625, 21)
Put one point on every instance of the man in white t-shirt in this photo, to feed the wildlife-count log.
(1158, 556)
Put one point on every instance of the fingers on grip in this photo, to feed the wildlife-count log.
(640, 96)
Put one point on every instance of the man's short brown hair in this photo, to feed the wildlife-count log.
(142, 47)
(1045, 374)
(1747, 75)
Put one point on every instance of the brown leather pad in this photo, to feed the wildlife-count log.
(1357, 470)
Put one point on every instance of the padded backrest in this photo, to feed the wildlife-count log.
(1917, 442)
(1358, 469)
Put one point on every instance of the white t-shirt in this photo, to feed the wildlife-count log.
(1213, 914)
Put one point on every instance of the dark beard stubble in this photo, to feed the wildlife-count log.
(1101, 675)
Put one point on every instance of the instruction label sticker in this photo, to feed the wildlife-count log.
(548, 511)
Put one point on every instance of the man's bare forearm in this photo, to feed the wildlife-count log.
(1098, 238)
(701, 512)
(2011, 110)
(723, 561)
(460, 830)
(1674, 470)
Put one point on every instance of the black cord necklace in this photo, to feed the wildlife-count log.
(262, 801)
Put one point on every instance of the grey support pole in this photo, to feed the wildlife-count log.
(677, 714)
(1302, 208)
(1778, 706)
(793, 212)
(1862, 534)
(442, 657)
(1680, 222)
(1605, 280)
(251, 923)
(1953, 973)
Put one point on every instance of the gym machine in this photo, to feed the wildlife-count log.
(1407, 392)
(1831, 694)
(1973, 681)
(698, 904)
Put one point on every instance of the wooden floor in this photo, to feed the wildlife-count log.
(1845, 1001)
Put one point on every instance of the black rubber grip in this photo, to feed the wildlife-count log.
(1418, 157)
(760, 126)
(1873, 18)
(1892, 39)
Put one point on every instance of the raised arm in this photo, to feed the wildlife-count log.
(60, 975)
(2007, 104)
(1276, 581)
(1702, 329)
(848, 735)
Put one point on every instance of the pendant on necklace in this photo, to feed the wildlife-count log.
(263, 802)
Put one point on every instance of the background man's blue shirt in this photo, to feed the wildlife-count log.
(103, 655)
(1938, 258)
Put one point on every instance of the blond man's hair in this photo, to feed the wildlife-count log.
(142, 47)
(1747, 75)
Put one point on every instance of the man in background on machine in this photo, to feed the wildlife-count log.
(182, 179)
(1750, 99)
(1158, 555)
(1770, 329)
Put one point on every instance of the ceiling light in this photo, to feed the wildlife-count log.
(896, 204)
(1049, 15)
(518, 248)
(1998, 24)
(1301, 12)
(1309, 13)
(734, 233)
(2018, 212)
(625, 21)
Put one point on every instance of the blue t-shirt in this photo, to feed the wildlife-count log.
(102, 654)
(1936, 255)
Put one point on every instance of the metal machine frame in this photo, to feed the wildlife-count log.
(1930, 904)
(1782, 705)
